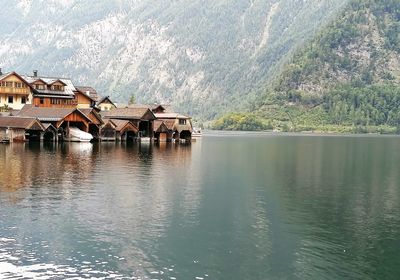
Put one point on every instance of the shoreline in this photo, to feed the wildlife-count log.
(281, 133)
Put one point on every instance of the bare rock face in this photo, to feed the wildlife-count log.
(202, 56)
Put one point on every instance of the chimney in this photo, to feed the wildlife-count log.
(35, 73)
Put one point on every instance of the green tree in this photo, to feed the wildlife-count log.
(132, 99)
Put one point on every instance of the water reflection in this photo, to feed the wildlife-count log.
(244, 207)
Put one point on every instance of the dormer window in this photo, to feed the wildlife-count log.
(182, 121)
(41, 87)
(58, 87)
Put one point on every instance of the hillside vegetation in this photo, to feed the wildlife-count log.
(345, 79)
(203, 56)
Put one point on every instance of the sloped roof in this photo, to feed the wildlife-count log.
(171, 116)
(160, 126)
(21, 122)
(69, 87)
(124, 125)
(48, 114)
(102, 99)
(169, 123)
(89, 92)
(93, 112)
(127, 113)
(21, 77)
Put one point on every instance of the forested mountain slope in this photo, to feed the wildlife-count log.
(347, 77)
(203, 56)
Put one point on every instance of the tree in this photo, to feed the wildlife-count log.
(132, 99)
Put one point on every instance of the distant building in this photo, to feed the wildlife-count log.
(105, 104)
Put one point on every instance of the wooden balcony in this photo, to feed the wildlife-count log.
(13, 90)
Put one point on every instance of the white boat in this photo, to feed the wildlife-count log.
(77, 135)
(196, 133)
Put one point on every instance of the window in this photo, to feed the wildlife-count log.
(9, 84)
(11, 99)
(40, 87)
(2, 84)
(182, 121)
(23, 100)
(41, 100)
(58, 88)
(18, 85)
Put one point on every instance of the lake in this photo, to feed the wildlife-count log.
(230, 206)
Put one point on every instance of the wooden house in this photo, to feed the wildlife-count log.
(17, 129)
(52, 91)
(140, 116)
(60, 118)
(15, 91)
(89, 91)
(84, 100)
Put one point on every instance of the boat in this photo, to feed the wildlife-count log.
(196, 133)
(77, 135)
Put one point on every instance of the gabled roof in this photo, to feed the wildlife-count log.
(92, 112)
(86, 95)
(124, 125)
(58, 80)
(2, 77)
(92, 92)
(139, 113)
(170, 123)
(49, 114)
(104, 99)
(21, 122)
(160, 126)
(69, 87)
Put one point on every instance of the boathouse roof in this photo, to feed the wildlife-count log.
(49, 114)
(92, 114)
(160, 126)
(21, 122)
(124, 125)
(137, 113)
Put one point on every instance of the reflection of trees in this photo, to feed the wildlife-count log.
(341, 195)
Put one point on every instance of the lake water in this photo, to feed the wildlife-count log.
(231, 206)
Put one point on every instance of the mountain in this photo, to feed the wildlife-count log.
(345, 79)
(203, 56)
